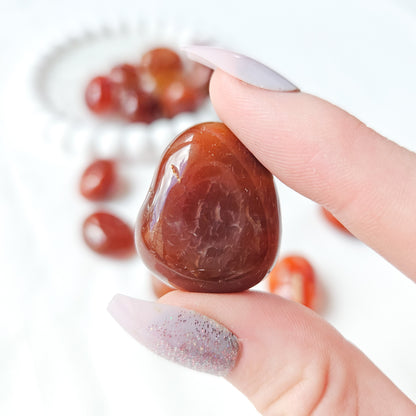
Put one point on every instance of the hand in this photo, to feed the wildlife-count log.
(290, 361)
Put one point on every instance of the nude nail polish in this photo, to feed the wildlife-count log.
(177, 334)
(240, 66)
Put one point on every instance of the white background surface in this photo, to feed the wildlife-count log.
(60, 352)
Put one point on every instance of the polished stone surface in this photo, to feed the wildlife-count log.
(210, 222)
(108, 235)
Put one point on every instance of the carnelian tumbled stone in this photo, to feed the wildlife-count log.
(161, 59)
(137, 105)
(333, 221)
(98, 179)
(125, 75)
(159, 288)
(99, 95)
(180, 97)
(107, 234)
(293, 278)
(210, 222)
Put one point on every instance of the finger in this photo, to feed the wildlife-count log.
(289, 361)
(365, 180)
(292, 362)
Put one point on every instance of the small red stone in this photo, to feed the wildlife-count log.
(106, 234)
(199, 76)
(333, 221)
(161, 59)
(147, 82)
(138, 106)
(161, 85)
(179, 97)
(99, 95)
(293, 278)
(125, 75)
(164, 79)
(160, 288)
(98, 179)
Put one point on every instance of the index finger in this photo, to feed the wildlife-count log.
(367, 181)
(319, 150)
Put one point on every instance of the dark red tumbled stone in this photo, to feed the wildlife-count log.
(161, 59)
(98, 179)
(180, 97)
(210, 222)
(125, 75)
(138, 106)
(99, 95)
(108, 235)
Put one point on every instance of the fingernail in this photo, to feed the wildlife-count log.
(180, 335)
(239, 66)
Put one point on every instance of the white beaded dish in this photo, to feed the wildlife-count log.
(60, 76)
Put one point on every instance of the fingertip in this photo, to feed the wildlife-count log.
(367, 181)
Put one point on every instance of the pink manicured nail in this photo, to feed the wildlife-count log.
(239, 66)
(180, 335)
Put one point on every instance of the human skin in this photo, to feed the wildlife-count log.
(292, 361)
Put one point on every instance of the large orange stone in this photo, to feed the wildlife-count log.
(210, 222)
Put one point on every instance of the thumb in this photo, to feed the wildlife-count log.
(281, 355)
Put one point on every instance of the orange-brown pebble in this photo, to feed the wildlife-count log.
(98, 179)
(160, 288)
(333, 221)
(161, 59)
(108, 235)
(293, 278)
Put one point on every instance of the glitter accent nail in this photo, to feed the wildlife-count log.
(177, 334)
